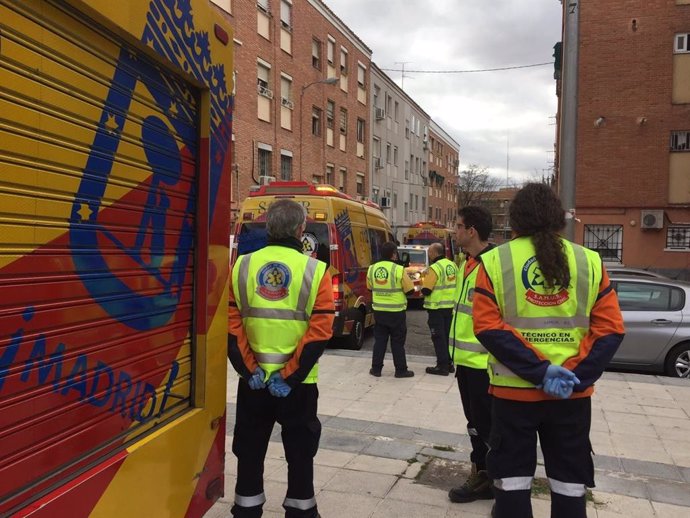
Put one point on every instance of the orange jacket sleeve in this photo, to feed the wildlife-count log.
(313, 343)
(606, 332)
(240, 354)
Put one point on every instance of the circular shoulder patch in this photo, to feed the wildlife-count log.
(273, 281)
(451, 272)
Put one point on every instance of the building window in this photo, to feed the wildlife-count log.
(285, 167)
(678, 237)
(316, 54)
(286, 92)
(388, 153)
(316, 121)
(330, 114)
(360, 184)
(407, 128)
(343, 61)
(680, 141)
(285, 14)
(406, 211)
(342, 180)
(330, 169)
(343, 121)
(361, 74)
(263, 5)
(395, 155)
(360, 131)
(682, 43)
(607, 240)
(395, 112)
(407, 170)
(330, 49)
(263, 72)
(264, 162)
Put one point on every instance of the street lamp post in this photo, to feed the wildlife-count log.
(327, 81)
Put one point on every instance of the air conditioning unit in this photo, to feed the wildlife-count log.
(377, 162)
(652, 219)
(380, 114)
(265, 180)
(385, 202)
(287, 103)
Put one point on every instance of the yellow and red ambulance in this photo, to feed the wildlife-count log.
(426, 233)
(115, 132)
(343, 232)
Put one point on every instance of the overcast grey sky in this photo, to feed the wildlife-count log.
(481, 111)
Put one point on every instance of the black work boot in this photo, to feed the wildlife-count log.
(439, 370)
(476, 487)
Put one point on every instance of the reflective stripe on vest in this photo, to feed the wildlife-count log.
(275, 315)
(441, 296)
(387, 296)
(464, 348)
(554, 323)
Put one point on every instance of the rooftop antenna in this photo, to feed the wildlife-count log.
(402, 77)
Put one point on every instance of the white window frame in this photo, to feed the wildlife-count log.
(330, 50)
(681, 43)
(286, 14)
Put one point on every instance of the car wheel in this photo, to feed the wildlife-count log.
(356, 338)
(678, 361)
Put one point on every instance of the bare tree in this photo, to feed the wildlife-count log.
(476, 186)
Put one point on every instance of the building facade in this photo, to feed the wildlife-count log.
(301, 96)
(632, 173)
(398, 165)
(444, 159)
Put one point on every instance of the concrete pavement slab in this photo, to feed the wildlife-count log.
(378, 434)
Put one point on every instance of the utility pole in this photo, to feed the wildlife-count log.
(568, 136)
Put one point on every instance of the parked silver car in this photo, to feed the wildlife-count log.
(656, 313)
(635, 272)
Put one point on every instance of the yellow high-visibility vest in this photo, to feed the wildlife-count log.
(446, 282)
(385, 279)
(275, 289)
(463, 346)
(553, 321)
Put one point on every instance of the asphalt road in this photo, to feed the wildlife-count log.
(418, 336)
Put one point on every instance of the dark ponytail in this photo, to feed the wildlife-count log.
(537, 212)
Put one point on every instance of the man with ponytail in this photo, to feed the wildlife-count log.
(545, 310)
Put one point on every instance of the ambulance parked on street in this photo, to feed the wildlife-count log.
(426, 233)
(343, 232)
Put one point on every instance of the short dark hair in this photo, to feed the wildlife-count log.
(283, 218)
(479, 218)
(388, 250)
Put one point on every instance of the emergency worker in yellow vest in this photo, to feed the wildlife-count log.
(389, 287)
(546, 312)
(438, 288)
(281, 317)
(473, 229)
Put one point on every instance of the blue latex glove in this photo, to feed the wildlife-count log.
(277, 386)
(256, 382)
(559, 382)
(556, 371)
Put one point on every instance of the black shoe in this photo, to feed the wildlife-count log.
(451, 368)
(375, 372)
(439, 370)
(404, 374)
(476, 487)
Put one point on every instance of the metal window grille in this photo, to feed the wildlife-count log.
(680, 141)
(607, 240)
(264, 162)
(678, 238)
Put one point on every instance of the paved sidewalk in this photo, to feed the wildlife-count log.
(383, 438)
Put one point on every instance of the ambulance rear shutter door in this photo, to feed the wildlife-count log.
(97, 215)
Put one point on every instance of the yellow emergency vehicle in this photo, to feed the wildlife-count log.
(343, 232)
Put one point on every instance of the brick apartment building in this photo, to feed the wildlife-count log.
(633, 132)
(301, 101)
(444, 159)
